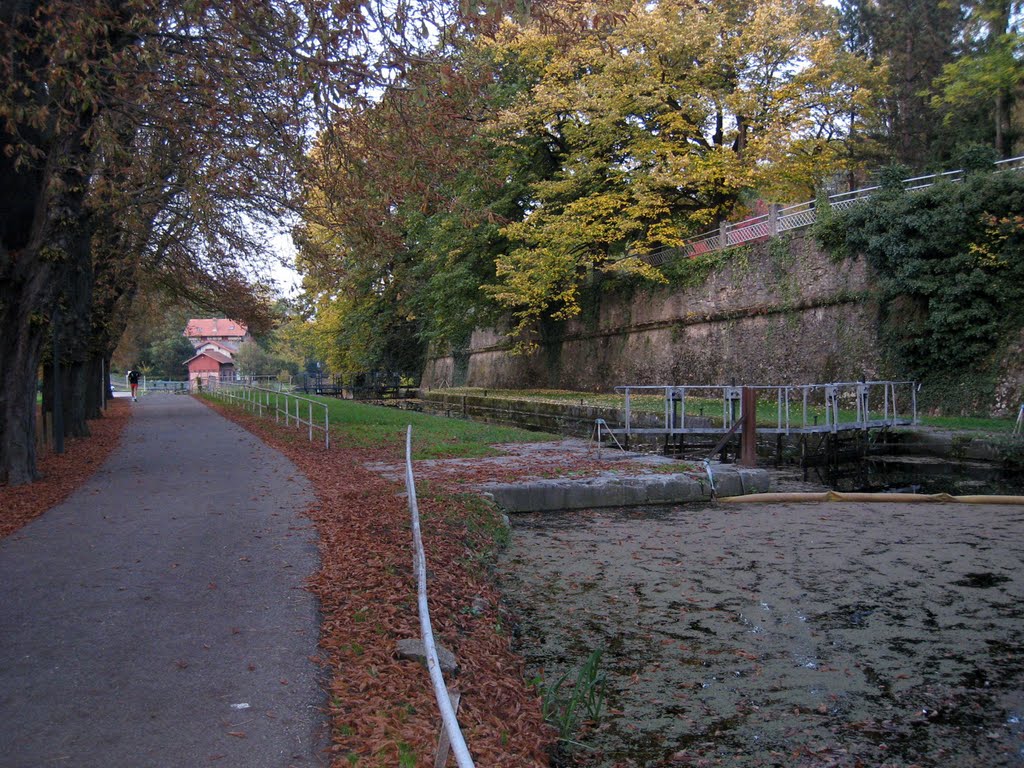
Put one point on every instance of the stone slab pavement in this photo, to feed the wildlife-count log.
(636, 479)
(158, 617)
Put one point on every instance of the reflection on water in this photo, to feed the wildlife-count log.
(927, 474)
(807, 635)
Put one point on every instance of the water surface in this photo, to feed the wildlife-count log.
(790, 635)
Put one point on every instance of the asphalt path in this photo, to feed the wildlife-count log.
(158, 617)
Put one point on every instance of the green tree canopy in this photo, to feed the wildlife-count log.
(660, 116)
(950, 277)
(985, 81)
(523, 156)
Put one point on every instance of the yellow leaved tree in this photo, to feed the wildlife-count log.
(659, 116)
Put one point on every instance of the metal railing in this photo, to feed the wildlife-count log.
(444, 703)
(146, 384)
(797, 216)
(163, 385)
(798, 408)
(287, 407)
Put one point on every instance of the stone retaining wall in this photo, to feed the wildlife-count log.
(771, 315)
(556, 418)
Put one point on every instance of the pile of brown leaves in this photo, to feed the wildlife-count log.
(63, 473)
(382, 709)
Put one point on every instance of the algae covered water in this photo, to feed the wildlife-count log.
(782, 635)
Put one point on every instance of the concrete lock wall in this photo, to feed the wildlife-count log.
(557, 418)
(774, 313)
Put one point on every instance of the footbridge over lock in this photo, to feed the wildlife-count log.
(819, 425)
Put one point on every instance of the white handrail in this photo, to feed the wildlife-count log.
(802, 215)
(832, 397)
(451, 723)
(260, 397)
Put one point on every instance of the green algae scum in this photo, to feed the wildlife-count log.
(781, 635)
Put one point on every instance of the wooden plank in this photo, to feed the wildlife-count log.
(443, 744)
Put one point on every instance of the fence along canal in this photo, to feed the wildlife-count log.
(291, 408)
(828, 425)
(840, 406)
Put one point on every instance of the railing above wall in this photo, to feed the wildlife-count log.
(796, 216)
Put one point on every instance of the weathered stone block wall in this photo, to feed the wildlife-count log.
(1010, 389)
(770, 315)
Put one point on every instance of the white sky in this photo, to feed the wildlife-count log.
(287, 279)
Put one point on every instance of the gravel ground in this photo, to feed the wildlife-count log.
(820, 634)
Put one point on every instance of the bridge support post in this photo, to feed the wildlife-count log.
(748, 439)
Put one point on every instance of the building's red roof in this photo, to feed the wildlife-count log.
(213, 355)
(217, 326)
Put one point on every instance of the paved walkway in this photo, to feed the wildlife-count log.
(157, 617)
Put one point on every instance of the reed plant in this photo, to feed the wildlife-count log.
(583, 703)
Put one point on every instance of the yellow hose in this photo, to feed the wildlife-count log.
(895, 498)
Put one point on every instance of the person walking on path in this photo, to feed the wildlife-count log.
(157, 617)
(133, 382)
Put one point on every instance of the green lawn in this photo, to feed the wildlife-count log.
(969, 423)
(434, 437)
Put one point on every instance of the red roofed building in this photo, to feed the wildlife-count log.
(228, 334)
(210, 364)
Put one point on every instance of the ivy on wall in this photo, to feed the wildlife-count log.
(950, 272)
(693, 271)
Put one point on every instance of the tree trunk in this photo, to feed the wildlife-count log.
(739, 146)
(32, 277)
(116, 253)
(21, 345)
(74, 401)
(96, 391)
(74, 333)
(77, 333)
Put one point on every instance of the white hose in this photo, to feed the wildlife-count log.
(451, 723)
(711, 478)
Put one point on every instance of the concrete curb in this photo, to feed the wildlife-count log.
(613, 490)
